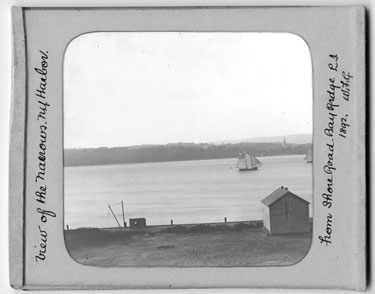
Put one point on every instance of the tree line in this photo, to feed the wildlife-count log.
(175, 152)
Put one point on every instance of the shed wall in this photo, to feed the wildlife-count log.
(289, 215)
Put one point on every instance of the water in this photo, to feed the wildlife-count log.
(185, 191)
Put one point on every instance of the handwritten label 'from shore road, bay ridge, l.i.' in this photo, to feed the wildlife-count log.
(337, 129)
(40, 178)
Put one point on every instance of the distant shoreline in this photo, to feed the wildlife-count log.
(203, 159)
(176, 152)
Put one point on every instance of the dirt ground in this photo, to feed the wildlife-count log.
(234, 247)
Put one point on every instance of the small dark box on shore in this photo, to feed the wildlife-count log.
(137, 223)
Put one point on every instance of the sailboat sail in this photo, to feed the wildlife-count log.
(258, 162)
(241, 163)
(247, 162)
(309, 156)
(250, 161)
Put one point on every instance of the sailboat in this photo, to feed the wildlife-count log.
(247, 162)
(309, 156)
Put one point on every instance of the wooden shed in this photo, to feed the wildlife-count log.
(137, 223)
(284, 212)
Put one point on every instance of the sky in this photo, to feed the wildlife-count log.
(125, 89)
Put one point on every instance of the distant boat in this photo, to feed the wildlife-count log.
(309, 156)
(247, 162)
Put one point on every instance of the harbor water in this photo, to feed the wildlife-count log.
(186, 192)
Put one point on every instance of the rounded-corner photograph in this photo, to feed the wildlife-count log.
(188, 149)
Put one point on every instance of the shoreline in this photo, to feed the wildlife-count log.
(218, 244)
(160, 228)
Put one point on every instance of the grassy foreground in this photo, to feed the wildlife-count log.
(197, 245)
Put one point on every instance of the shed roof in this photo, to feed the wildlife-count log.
(277, 194)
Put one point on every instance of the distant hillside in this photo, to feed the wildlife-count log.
(292, 139)
(175, 152)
